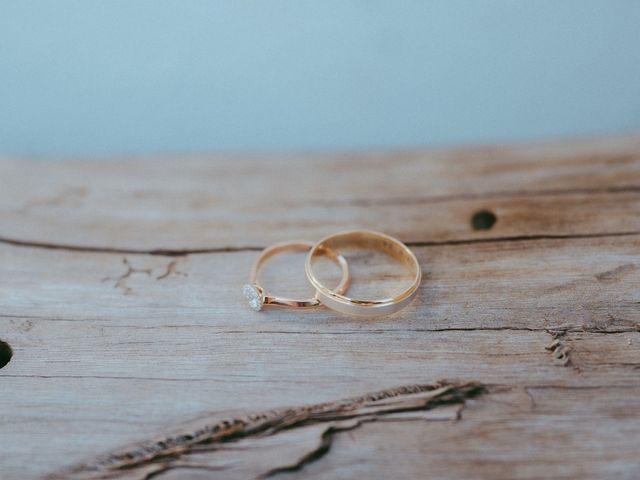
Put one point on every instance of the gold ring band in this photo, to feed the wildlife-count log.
(256, 294)
(336, 300)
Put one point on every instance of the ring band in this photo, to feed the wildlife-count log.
(256, 294)
(373, 240)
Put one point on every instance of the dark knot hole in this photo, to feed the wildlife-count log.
(5, 353)
(483, 220)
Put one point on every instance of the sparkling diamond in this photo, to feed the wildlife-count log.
(253, 294)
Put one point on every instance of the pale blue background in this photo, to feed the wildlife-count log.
(117, 77)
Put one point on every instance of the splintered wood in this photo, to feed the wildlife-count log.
(127, 350)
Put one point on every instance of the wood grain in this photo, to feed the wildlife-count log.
(120, 298)
(192, 204)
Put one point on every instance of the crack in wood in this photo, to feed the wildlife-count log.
(121, 281)
(162, 252)
(153, 458)
(170, 252)
(171, 269)
(598, 329)
(567, 328)
(326, 440)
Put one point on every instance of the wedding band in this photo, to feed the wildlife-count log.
(256, 294)
(336, 300)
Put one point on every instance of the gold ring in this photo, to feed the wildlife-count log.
(256, 294)
(336, 300)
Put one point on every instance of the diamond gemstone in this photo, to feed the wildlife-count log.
(254, 296)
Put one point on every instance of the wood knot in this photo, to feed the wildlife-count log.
(560, 350)
(5, 353)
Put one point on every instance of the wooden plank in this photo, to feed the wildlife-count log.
(221, 202)
(541, 284)
(115, 351)
(158, 338)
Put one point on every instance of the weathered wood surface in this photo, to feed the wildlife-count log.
(120, 295)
